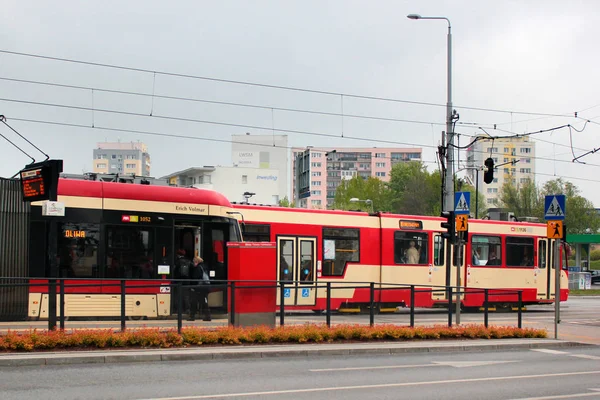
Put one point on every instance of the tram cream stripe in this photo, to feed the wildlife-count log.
(77, 202)
(379, 386)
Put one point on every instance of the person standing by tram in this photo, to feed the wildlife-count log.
(199, 290)
(183, 265)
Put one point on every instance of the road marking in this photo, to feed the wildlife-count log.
(563, 396)
(549, 351)
(455, 364)
(585, 356)
(379, 386)
(377, 367)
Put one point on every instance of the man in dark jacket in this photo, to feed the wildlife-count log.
(199, 290)
(183, 265)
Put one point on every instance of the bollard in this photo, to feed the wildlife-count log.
(179, 307)
(520, 317)
(62, 304)
(232, 308)
(485, 309)
(449, 306)
(372, 304)
(123, 305)
(412, 306)
(281, 304)
(328, 305)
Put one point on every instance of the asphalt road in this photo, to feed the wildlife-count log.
(525, 374)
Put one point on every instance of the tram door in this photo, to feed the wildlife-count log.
(296, 267)
(542, 271)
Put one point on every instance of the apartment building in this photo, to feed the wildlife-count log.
(316, 173)
(129, 158)
(514, 159)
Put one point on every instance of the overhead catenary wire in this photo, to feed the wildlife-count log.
(3, 120)
(271, 86)
(247, 126)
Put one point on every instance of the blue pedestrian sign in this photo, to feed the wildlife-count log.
(554, 207)
(462, 202)
(287, 293)
(305, 292)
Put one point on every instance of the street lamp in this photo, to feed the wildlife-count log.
(448, 180)
(368, 202)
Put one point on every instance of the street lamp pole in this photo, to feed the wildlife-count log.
(449, 177)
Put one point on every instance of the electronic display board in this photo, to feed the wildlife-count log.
(39, 181)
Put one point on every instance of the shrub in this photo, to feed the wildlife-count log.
(195, 336)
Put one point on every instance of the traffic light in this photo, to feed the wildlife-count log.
(449, 225)
(488, 175)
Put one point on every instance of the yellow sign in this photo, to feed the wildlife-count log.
(555, 230)
(462, 223)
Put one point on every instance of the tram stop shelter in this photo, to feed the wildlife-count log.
(582, 242)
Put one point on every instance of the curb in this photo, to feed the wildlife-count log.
(254, 352)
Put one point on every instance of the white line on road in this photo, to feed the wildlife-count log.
(455, 364)
(379, 386)
(549, 351)
(564, 396)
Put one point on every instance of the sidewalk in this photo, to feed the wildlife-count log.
(264, 351)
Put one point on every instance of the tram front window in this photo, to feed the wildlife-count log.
(78, 250)
(129, 253)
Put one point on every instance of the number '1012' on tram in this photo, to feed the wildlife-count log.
(119, 230)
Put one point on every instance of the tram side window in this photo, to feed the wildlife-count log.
(339, 247)
(519, 251)
(439, 252)
(257, 233)
(542, 254)
(78, 250)
(486, 250)
(411, 247)
(129, 253)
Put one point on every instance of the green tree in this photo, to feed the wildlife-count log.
(285, 202)
(415, 190)
(528, 200)
(364, 189)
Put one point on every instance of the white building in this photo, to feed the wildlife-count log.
(514, 159)
(263, 152)
(261, 185)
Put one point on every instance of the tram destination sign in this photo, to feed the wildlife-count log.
(39, 181)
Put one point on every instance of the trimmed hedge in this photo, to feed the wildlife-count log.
(194, 336)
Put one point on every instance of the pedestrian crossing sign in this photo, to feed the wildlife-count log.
(462, 223)
(462, 202)
(554, 207)
(554, 229)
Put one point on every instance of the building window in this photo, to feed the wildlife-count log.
(315, 183)
(315, 155)
(379, 155)
(315, 202)
(101, 165)
(340, 246)
(381, 174)
(487, 250)
(244, 179)
(506, 149)
(380, 165)
(525, 170)
(114, 156)
(495, 180)
(316, 173)
(410, 247)
(316, 164)
(525, 150)
(315, 192)
(130, 166)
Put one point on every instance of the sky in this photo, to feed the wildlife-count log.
(532, 65)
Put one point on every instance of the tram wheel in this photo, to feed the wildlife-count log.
(136, 318)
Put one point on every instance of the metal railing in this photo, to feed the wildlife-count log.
(231, 288)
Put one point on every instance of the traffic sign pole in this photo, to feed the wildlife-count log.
(557, 288)
(555, 210)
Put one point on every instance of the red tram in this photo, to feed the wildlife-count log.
(118, 230)
(346, 246)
